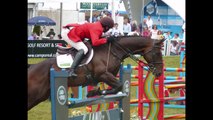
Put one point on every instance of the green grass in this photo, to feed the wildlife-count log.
(43, 110)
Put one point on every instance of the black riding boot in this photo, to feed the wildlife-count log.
(76, 62)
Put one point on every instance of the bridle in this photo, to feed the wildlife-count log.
(151, 64)
(131, 55)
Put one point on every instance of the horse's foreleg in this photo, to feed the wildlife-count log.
(110, 80)
(94, 92)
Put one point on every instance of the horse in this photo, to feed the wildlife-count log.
(103, 67)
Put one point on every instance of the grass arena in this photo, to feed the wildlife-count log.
(43, 110)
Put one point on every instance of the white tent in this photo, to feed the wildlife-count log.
(178, 6)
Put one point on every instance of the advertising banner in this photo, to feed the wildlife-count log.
(43, 48)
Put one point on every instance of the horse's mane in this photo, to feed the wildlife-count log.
(118, 38)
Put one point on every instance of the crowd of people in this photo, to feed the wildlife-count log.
(148, 29)
(50, 36)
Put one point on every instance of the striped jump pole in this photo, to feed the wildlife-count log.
(107, 106)
(146, 90)
(135, 83)
(165, 78)
(165, 69)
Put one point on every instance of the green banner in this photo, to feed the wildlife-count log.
(97, 6)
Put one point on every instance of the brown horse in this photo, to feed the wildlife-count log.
(102, 68)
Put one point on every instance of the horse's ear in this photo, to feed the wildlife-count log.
(160, 41)
(163, 39)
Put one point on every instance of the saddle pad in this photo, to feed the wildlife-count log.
(64, 61)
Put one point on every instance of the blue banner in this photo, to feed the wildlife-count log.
(150, 9)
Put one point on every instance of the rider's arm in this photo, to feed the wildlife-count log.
(95, 38)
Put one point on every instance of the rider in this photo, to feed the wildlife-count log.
(73, 34)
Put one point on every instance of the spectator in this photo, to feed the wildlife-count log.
(142, 26)
(173, 47)
(98, 18)
(51, 37)
(134, 26)
(176, 37)
(33, 36)
(160, 35)
(104, 13)
(51, 32)
(149, 22)
(144, 23)
(94, 18)
(154, 32)
(43, 32)
(182, 36)
(59, 37)
(167, 35)
(180, 41)
(115, 31)
(126, 27)
(146, 32)
(135, 31)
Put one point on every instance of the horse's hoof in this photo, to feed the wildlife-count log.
(72, 73)
(103, 92)
(119, 93)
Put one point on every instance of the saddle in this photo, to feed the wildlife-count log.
(65, 56)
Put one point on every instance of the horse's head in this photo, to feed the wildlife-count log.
(153, 56)
(149, 48)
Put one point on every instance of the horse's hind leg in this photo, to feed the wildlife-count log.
(110, 80)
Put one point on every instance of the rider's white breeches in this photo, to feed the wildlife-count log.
(76, 45)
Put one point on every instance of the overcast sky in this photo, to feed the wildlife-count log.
(70, 4)
(56, 5)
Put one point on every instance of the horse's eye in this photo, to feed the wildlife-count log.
(153, 53)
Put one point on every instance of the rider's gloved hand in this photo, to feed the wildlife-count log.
(110, 39)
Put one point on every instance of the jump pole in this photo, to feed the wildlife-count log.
(60, 102)
(147, 94)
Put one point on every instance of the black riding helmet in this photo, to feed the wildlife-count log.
(107, 22)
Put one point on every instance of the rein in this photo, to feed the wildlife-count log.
(130, 53)
(108, 57)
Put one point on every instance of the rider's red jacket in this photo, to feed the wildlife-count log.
(91, 31)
